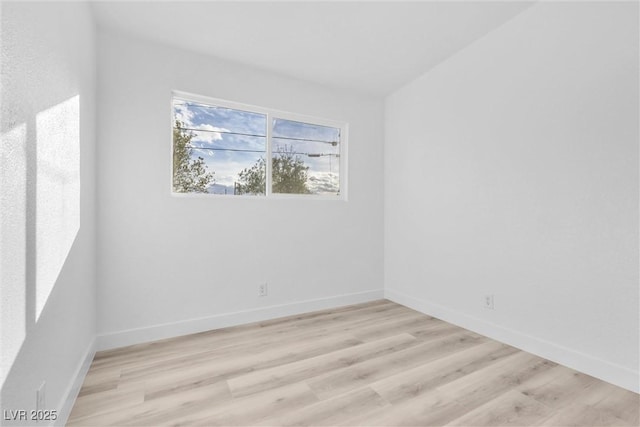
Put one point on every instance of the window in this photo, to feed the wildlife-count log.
(231, 149)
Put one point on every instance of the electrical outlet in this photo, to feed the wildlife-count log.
(41, 400)
(488, 302)
(263, 290)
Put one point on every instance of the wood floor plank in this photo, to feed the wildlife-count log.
(397, 325)
(188, 376)
(170, 408)
(615, 402)
(309, 368)
(421, 379)
(447, 402)
(374, 364)
(360, 374)
(159, 411)
(100, 380)
(600, 402)
(509, 409)
(558, 387)
(251, 410)
(98, 403)
(223, 365)
(580, 415)
(332, 411)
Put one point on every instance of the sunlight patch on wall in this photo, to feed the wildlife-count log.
(13, 214)
(58, 192)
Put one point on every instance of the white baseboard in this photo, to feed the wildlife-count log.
(64, 409)
(606, 371)
(191, 326)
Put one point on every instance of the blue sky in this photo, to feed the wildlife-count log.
(218, 131)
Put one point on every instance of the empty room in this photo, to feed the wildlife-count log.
(323, 213)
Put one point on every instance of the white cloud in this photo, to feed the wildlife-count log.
(183, 113)
(323, 182)
(209, 134)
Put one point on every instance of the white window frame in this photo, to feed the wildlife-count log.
(270, 114)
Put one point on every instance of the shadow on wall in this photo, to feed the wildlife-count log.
(39, 216)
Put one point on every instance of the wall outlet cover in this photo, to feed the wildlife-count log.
(488, 302)
(41, 399)
(263, 290)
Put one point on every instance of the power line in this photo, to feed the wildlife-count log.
(334, 143)
(263, 152)
(223, 131)
(226, 149)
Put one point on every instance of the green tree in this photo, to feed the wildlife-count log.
(289, 175)
(189, 176)
(289, 172)
(253, 180)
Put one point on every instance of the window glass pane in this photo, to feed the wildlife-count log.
(305, 158)
(218, 150)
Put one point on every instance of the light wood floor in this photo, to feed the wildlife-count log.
(374, 364)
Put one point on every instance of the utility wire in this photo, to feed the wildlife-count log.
(223, 131)
(226, 149)
(263, 152)
(334, 143)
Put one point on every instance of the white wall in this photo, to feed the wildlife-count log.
(512, 169)
(47, 201)
(173, 265)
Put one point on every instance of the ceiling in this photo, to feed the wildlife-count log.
(369, 47)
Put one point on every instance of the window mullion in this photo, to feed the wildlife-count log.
(268, 162)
